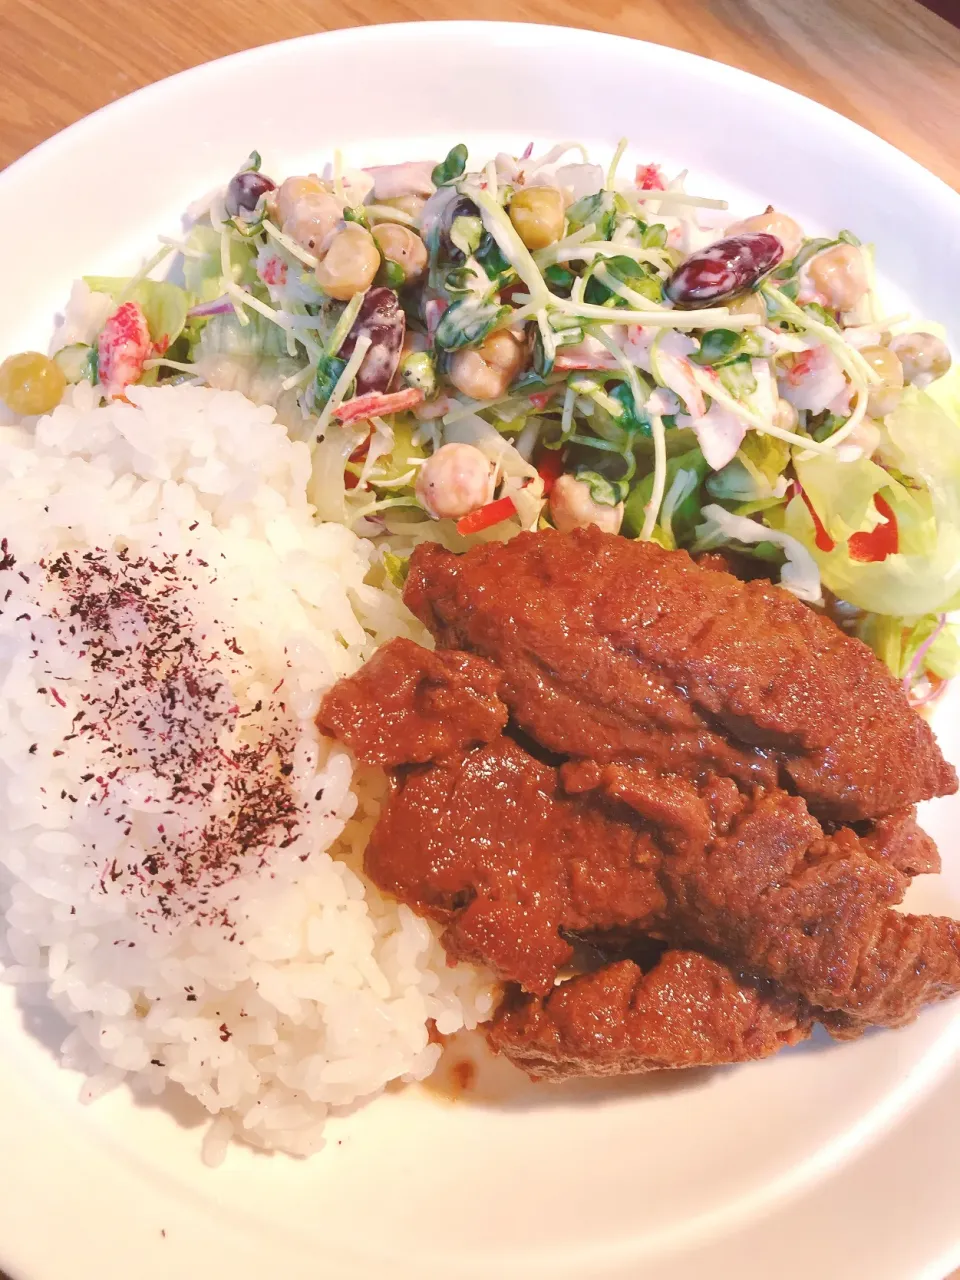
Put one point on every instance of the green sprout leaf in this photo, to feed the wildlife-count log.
(528, 381)
(357, 214)
(542, 361)
(606, 492)
(599, 209)
(460, 281)
(738, 377)
(632, 417)
(452, 167)
(467, 322)
(329, 370)
(391, 274)
(824, 425)
(629, 272)
(498, 269)
(717, 346)
(560, 279)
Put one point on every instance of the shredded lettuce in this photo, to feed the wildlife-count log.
(799, 574)
(404, 455)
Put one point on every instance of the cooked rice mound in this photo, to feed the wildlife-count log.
(182, 866)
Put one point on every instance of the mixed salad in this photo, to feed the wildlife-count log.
(541, 341)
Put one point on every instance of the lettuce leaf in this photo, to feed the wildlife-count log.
(946, 392)
(897, 642)
(921, 447)
(164, 304)
(943, 655)
(753, 474)
(686, 512)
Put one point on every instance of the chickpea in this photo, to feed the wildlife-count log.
(885, 395)
(350, 263)
(537, 215)
(485, 372)
(311, 221)
(785, 416)
(923, 357)
(453, 482)
(788, 232)
(404, 247)
(31, 383)
(412, 206)
(572, 507)
(292, 191)
(839, 275)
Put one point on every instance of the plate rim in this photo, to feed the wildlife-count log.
(932, 188)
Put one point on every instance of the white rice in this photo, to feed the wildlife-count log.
(285, 986)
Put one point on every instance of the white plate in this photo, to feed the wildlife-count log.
(836, 1159)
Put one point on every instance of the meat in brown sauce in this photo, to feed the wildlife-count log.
(604, 642)
(487, 843)
(665, 717)
(688, 1011)
(898, 840)
(408, 705)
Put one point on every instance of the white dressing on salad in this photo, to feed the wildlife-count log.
(703, 388)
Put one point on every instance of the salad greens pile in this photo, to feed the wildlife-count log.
(605, 349)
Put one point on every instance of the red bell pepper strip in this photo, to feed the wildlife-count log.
(486, 517)
(572, 364)
(374, 404)
(550, 468)
(823, 540)
(350, 481)
(540, 399)
(883, 541)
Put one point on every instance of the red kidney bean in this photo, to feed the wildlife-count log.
(381, 319)
(723, 270)
(245, 190)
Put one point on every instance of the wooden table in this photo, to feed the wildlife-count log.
(889, 64)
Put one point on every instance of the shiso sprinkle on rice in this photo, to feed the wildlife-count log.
(181, 867)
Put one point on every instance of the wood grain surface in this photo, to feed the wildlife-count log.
(889, 64)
